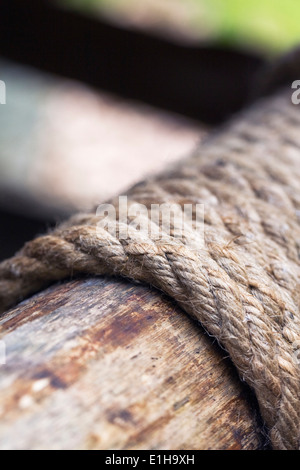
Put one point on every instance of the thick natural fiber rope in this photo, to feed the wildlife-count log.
(242, 284)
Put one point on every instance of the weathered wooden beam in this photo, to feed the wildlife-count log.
(105, 364)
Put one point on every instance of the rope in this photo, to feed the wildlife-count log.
(241, 282)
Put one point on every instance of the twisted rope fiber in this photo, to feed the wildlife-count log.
(242, 284)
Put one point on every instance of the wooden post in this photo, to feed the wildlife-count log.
(105, 364)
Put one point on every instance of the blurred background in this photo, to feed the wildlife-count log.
(101, 93)
(268, 26)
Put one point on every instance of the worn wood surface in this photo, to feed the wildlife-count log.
(105, 364)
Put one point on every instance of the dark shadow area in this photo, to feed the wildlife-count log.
(16, 229)
(204, 82)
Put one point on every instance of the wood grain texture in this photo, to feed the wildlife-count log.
(105, 364)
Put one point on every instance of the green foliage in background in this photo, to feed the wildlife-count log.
(272, 25)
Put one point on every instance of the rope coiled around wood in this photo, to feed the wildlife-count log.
(242, 284)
